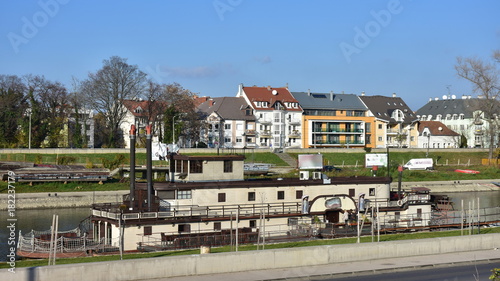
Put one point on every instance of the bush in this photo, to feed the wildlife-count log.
(65, 160)
(115, 163)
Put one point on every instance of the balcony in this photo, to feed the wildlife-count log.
(265, 134)
(336, 130)
(294, 121)
(294, 134)
(397, 132)
(478, 132)
(264, 121)
(339, 143)
(250, 133)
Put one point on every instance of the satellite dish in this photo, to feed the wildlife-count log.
(440, 128)
(453, 96)
(445, 97)
(275, 92)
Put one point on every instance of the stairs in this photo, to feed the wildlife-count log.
(288, 159)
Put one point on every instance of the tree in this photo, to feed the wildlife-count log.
(484, 77)
(107, 88)
(13, 105)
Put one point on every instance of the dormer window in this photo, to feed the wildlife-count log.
(138, 110)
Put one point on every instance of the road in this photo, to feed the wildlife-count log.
(480, 271)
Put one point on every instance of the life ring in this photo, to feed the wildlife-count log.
(400, 203)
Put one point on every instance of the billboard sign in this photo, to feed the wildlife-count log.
(310, 161)
(374, 159)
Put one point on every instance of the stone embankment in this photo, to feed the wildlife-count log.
(61, 200)
(86, 199)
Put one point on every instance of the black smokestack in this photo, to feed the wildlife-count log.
(149, 166)
(132, 165)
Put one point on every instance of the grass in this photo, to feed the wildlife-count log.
(320, 242)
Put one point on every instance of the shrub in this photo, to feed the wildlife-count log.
(65, 160)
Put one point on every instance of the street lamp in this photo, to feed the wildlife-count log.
(428, 144)
(29, 111)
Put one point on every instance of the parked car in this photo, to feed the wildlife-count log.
(330, 168)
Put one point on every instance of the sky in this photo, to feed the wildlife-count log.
(211, 46)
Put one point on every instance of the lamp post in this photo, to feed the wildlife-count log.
(29, 111)
(428, 144)
(173, 130)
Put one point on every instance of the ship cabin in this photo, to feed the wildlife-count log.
(207, 195)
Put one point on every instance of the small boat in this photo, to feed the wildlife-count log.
(467, 171)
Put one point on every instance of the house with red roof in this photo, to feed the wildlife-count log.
(140, 113)
(435, 134)
(278, 117)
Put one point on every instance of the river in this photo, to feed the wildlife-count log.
(69, 218)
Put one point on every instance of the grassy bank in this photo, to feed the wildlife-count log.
(320, 242)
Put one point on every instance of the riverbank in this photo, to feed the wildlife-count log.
(86, 198)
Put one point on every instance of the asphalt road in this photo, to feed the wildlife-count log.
(480, 271)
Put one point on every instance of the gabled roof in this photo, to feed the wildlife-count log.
(228, 108)
(139, 108)
(436, 128)
(271, 96)
(308, 100)
(465, 106)
(383, 107)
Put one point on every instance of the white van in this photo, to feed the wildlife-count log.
(419, 164)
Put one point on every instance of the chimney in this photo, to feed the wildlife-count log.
(363, 93)
(269, 88)
(331, 95)
(309, 92)
(132, 166)
(393, 95)
(149, 167)
(210, 102)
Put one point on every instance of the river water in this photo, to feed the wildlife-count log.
(69, 218)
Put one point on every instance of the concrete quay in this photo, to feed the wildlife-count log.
(279, 264)
(451, 185)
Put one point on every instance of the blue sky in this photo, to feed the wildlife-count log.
(209, 47)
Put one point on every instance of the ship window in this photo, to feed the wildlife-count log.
(184, 194)
(419, 213)
(251, 196)
(352, 192)
(252, 223)
(228, 166)
(184, 228)
(196, 166)
(167, 194)
(299, 194)
(217, 226)
(293, 221)
(371, 192)
(221, 197)
(148, 230)
(281, 195)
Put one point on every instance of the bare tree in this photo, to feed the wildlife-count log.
(107, 88)
(484, 77)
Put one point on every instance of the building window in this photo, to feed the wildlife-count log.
(251, 196)
(184, 194)
(148, 230)
(221, 197)
(239, 140)
(184, 228)
(196, 166)
(217, 226)
(252, 223)
(228, 166)
(299, 194)
(281, 195)
(227, 126)
(412, 138)
(380, 126)
(379, 138)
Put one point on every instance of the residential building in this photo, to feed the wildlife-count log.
(278, 116)
(334, 120)
(229, 122)
(435, 134)
(395, 122)
(140, 113)
(86, 125)
(462, 115)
